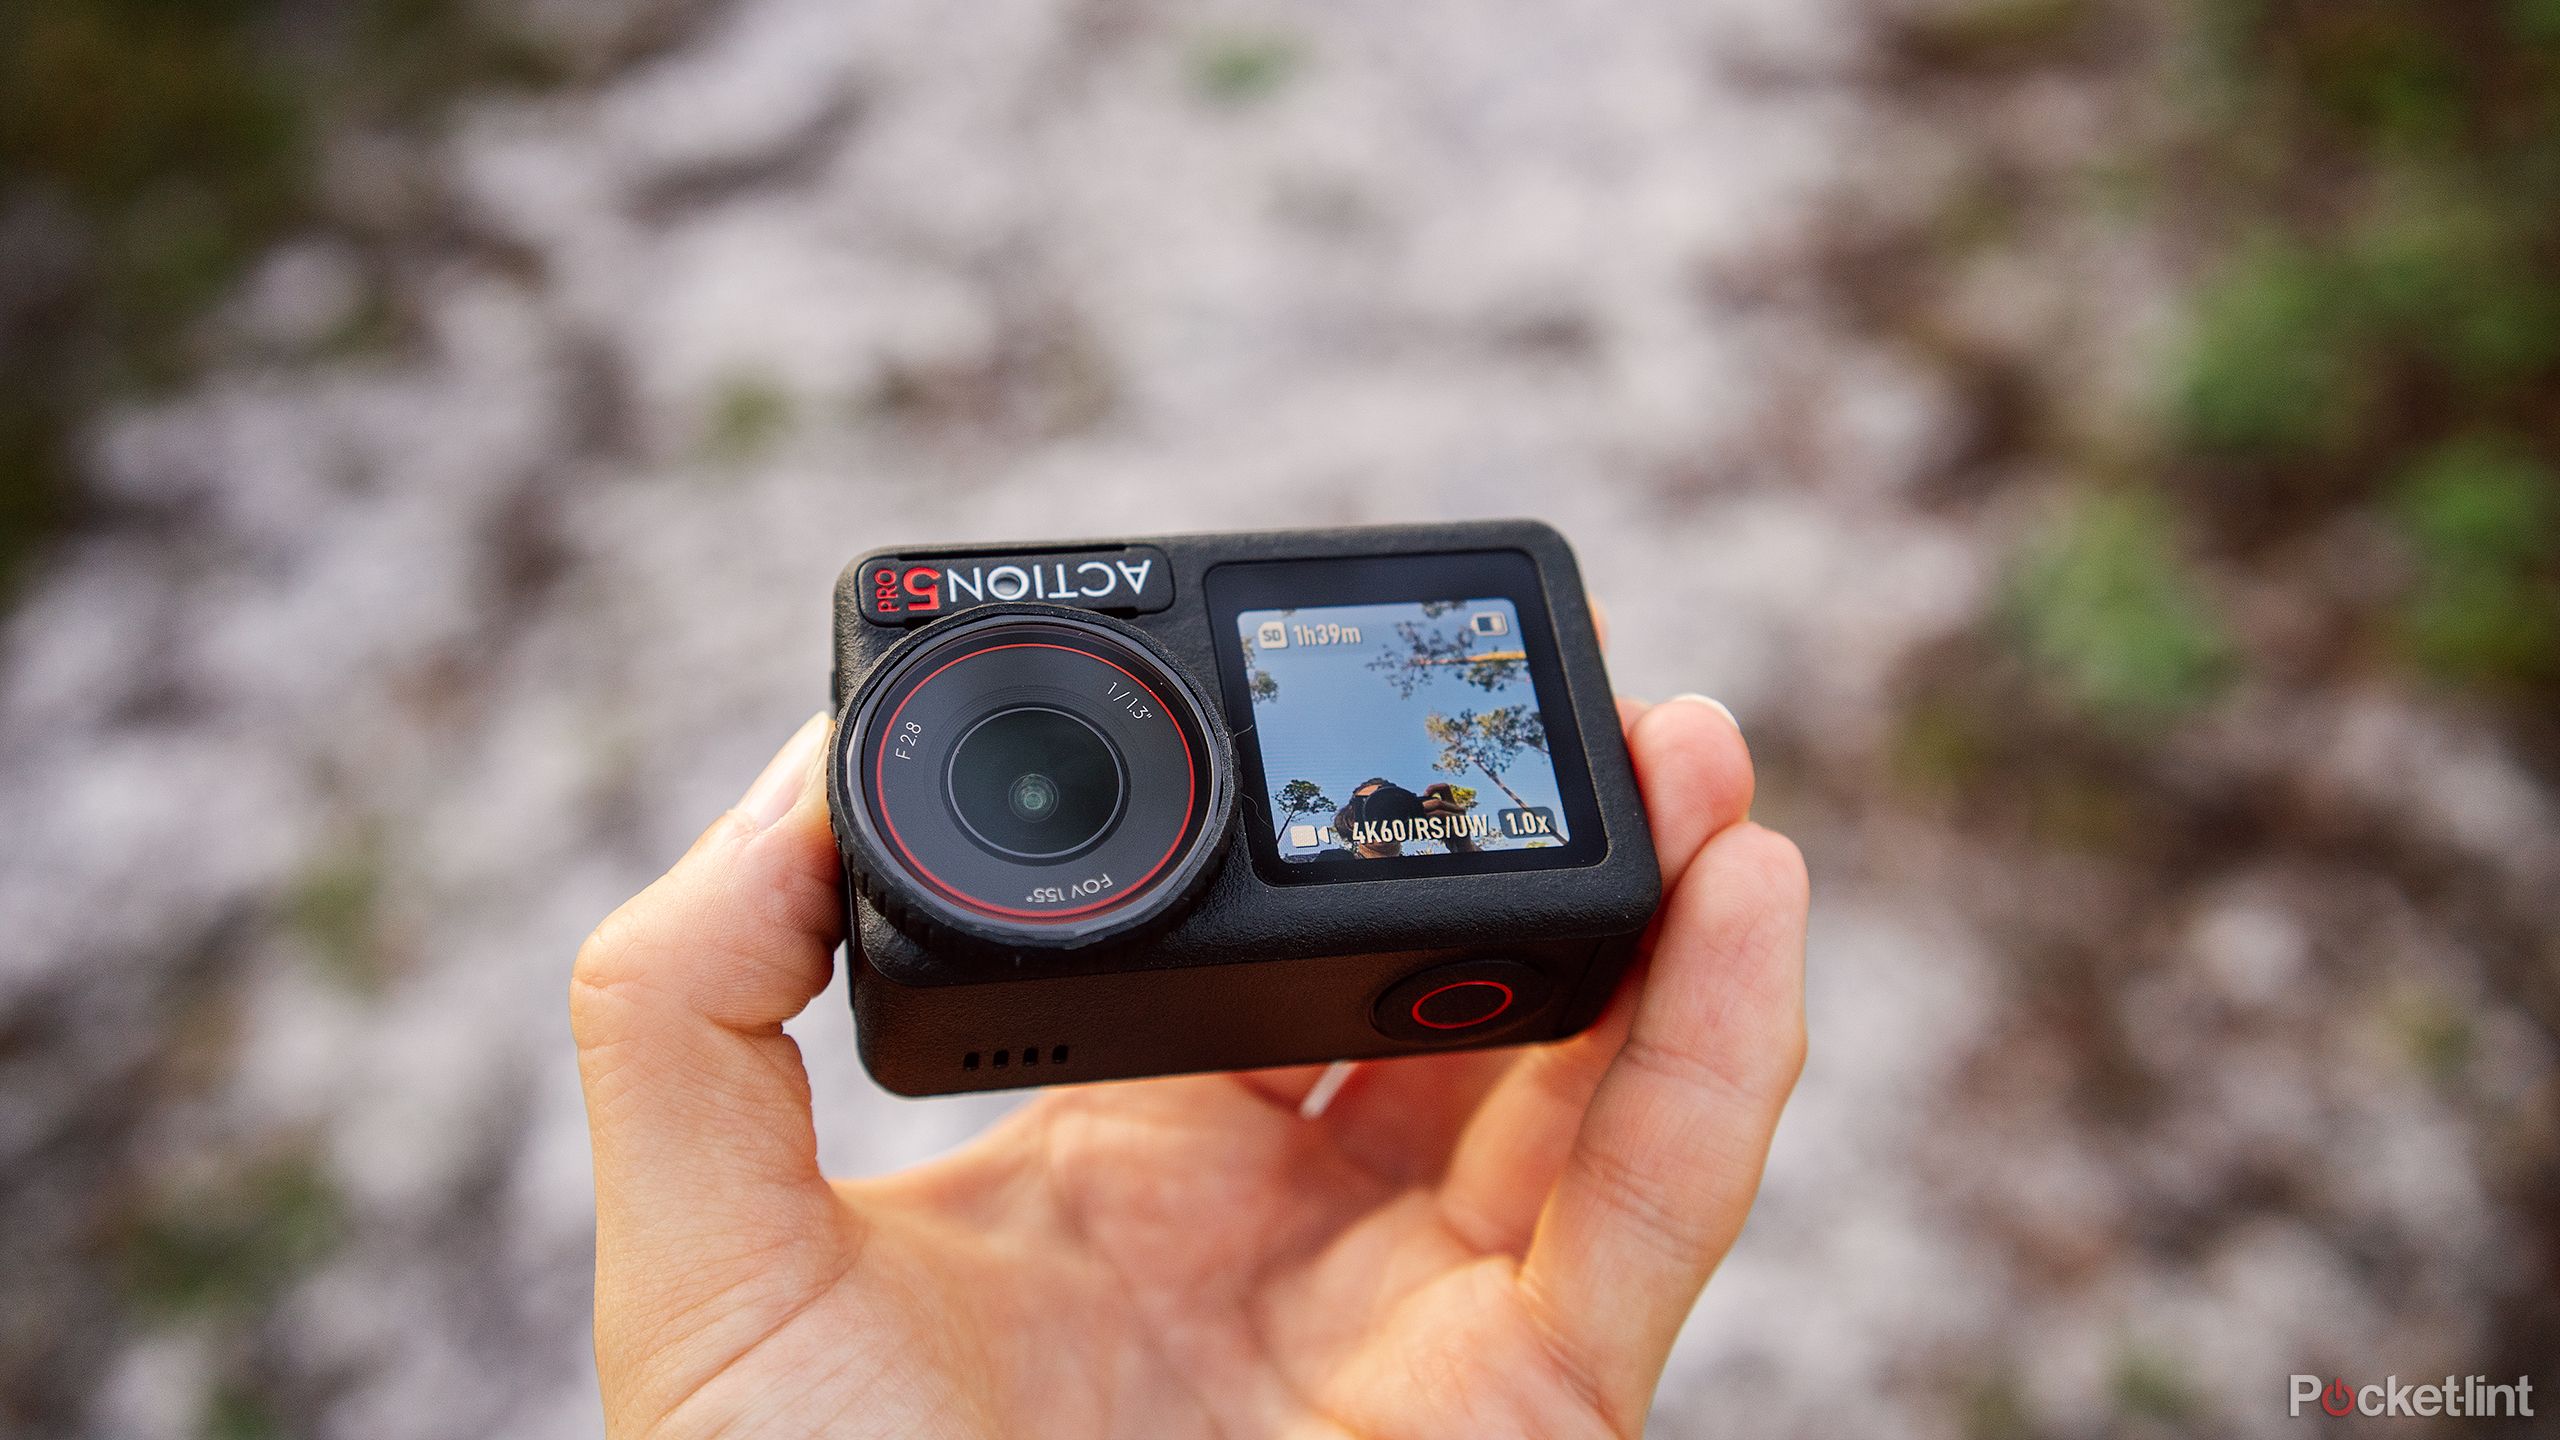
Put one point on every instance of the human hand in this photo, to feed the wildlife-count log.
(1493, 1243)
(1442, 799)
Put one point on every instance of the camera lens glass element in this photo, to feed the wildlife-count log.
(1034, 782)
(1034, 779)
(1034, 796)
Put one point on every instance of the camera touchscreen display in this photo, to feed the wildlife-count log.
(1405, 729)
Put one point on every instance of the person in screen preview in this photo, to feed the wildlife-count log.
(1379, 800)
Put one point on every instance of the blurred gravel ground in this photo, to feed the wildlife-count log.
(375, 679)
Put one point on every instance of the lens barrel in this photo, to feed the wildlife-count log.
(1031, 778)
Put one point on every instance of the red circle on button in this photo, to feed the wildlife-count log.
(1501, 1001)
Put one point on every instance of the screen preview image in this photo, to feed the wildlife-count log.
(1410, 728)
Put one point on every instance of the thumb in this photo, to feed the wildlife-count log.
(696, 1101)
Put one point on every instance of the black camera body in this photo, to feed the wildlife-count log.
(1220, 802)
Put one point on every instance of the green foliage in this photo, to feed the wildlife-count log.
(2455, 277)
(2482, 518)
(336, 909)
(2535, 21)
(2070, 807)
(2381, 71)
(1302, 797)
(2408, 154)
(411, 54)
(2148, 1386)
(748, 414)
(1941, 748)
(236, 1412)
(1995, 1409)
(1488, 740)
(1973, 748)
(1977, 216)
(1423, 653)
(176, 149)
(1993, 32)
(2436, 1031)
(1241, 69)
(177, 142)
(35, 492)
(2274, 364)
(2477, 628)
(2481, 502)
(2111, 614)
(232, 1241)
(112, 100)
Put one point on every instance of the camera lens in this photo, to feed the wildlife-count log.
(1035, 783)
(1029, 778)
(1034, 797)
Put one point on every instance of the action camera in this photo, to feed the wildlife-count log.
(1219, 802)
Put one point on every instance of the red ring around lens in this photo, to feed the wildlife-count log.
(1136, 888)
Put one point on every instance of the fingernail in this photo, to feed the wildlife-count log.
(786, 775)
(1719, 705)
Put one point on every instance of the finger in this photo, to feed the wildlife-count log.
(1288, 1087)
(1395, 1118)
(1513, 1146)
(1399, 1118)
(1405, 1118)
(1659, 1178)
(1695, 773)
(697, 1104)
